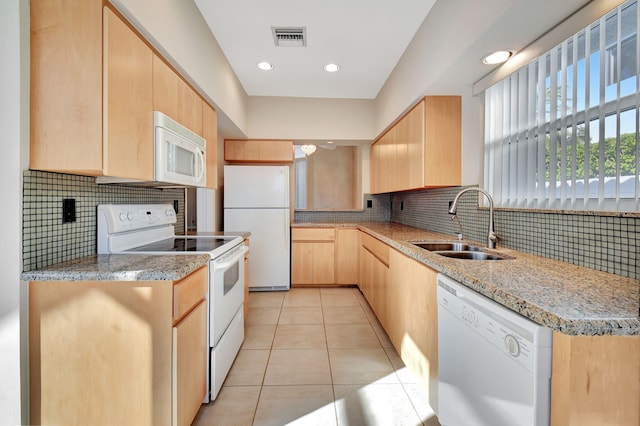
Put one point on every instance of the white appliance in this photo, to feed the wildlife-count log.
(256, 199)
(179, 156)
(149, 229)
(494, 366)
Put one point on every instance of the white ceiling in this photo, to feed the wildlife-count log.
(365, 37)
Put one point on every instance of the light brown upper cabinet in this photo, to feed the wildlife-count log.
(175, 98)
(80, 122)
(422, 150)
(258, 151)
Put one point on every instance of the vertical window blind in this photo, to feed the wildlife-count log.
(562, 132)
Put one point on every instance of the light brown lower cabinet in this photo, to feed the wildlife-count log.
(413, 319)
(595, 380)
(402, 294)
(312, 256)
(104, 352)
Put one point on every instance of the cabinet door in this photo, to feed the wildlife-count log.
(189, 365)
(258, 151)
(375, 169)
(346, 256)
(412, 324)
(66, 86)
(174, 97)
(443, 141)
(128, 118)
(388, 168)
(301, 263)
(411, 135)
(323, 262)
(210, 133)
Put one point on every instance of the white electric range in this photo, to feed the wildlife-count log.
(150, 229)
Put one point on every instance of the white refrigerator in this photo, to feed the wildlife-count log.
(256, 199)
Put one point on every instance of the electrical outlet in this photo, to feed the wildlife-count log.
(401, 205)
(369, 204)
(450, 204)
(175, 206)
(68, 210)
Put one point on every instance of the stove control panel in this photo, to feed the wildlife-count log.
(131, 217)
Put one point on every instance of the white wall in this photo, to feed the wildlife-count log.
(13, 121)
(311, 118)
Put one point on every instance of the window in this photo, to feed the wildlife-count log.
(562, 132)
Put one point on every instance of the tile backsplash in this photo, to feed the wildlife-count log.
(606, 243)
(378, 212)
(47, 240)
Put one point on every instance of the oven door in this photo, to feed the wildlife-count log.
(226, 291)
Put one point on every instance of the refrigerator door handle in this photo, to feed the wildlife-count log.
(287, 224)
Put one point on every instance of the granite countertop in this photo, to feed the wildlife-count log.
(564, 297)
(121, 267)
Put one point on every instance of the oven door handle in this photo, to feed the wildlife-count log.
(234, 259)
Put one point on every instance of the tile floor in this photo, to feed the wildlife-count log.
(316, 357)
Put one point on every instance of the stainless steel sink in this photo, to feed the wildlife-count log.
(471, 255)
(447, 246)
(459, 250)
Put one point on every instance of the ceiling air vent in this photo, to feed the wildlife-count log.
(289, 36)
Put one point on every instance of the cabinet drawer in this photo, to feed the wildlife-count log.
(313, 234)
(379, 249)
(189, 291)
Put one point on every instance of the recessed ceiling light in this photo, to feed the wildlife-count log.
(265, 66)
(331, 67)
(498, 57)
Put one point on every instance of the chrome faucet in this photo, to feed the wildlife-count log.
(491, 236)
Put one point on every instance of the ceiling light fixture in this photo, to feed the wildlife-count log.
(331, 67)
(308, 149)
(265, 66)
(498, 57)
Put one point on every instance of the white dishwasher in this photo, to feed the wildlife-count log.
(494, 366)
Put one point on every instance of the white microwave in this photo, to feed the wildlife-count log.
(180, 157)
(180, 154)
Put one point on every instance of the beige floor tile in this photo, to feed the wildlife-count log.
(302, 297)
(368, 312)
(293, 336)
(301, 315)
(374, 404)
(266, 299)
(382, 336)
(248, 368)
(298, 367)
(338, 297)
(403, 373)
(351, 336)
(296, 405)
(361, 366)
(235, 406)
(421, 404)
(262, 316)
(344, 315)
(258, 336)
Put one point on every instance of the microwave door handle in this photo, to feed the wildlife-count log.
(202, 164)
